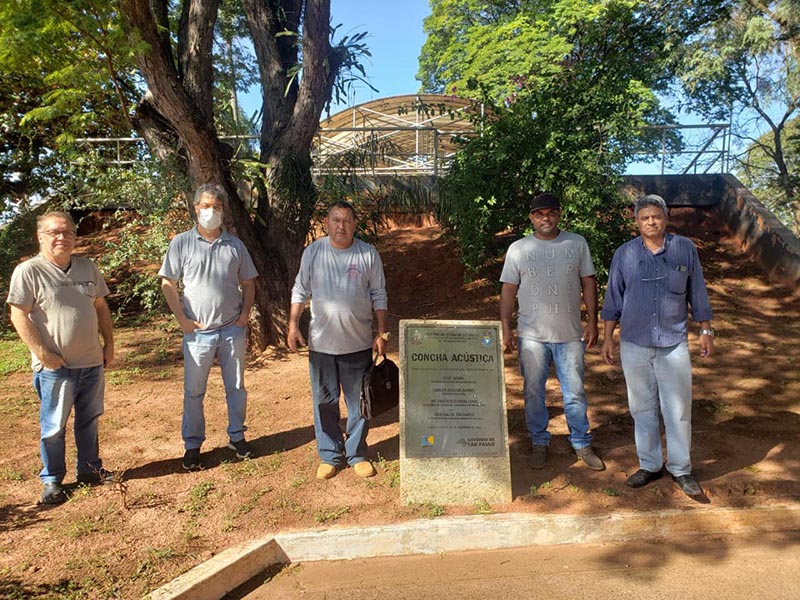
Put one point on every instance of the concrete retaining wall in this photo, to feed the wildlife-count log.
(775, 248)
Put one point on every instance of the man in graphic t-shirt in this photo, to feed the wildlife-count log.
(549, 272)
(344, 278)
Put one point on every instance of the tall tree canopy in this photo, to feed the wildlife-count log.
(747, 62)
(152, 65)
(571, 82)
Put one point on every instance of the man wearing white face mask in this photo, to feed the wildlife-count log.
(218, 279)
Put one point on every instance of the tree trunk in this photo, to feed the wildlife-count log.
(177, 112)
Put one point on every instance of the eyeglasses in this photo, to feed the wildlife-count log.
(67, 234)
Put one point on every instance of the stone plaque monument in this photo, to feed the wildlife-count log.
(453, 426)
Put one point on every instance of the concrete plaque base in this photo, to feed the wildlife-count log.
(453, 424)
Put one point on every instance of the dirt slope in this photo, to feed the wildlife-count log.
(123, 540)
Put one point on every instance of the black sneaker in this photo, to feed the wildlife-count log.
(242, 448)
(191, 460)
(53, 493)
(97, 477)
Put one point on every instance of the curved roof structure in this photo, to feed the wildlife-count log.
(410, 134)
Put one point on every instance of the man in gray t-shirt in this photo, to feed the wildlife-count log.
(548, 272)
(218, 279)
(58, 307)
(344, 278)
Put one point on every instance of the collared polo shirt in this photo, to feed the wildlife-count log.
(649, 293)
(210, 273)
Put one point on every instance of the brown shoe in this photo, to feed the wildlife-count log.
(538, 457)
(325, 471)
(364, 469)
(590, 459)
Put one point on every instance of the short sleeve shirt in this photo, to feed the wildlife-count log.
(210, 273)
(61, 307)
(548, 273)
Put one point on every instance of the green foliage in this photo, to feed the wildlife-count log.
(353, 176)
(198, 498)
(497, 42)
(482, 507)
(326, 515)
(145, 205)
(758, 171)
(17, 239)
(66, 73)
(532, 146)
(568, 84)
(745, 66)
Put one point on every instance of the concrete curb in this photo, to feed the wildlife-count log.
(228, 570)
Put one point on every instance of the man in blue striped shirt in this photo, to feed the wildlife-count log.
(652, 281)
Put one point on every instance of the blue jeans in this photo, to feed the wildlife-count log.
(199, 350)
(660, 378)
(59, 390)
(534, 363)
(332, 375)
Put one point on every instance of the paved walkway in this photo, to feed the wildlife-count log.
(699, 553)
(763, 566)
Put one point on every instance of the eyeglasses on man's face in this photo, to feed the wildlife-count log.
(67, 234)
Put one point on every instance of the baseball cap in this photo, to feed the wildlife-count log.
(545, 201)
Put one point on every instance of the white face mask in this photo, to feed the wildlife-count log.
(209, 218)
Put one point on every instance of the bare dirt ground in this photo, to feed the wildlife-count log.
(126, 539)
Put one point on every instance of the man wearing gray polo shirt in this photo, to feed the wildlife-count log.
(218, 278)
(344, 278)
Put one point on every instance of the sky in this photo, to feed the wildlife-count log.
(395, 38)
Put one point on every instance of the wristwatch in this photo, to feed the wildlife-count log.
(709, 332)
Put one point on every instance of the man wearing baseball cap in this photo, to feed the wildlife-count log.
(550, 272)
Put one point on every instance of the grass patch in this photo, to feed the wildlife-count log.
(610, 491)
(432, 510)
(198, 498)
(85, 526)
(390, 470)
(22, 403)
(14, 357)
(123, 376)
(245, 508)
(241, 469)
(80, 492)
(155, 556)
(326, 515)
(274, 461)
(9, 474)
(482, 507)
